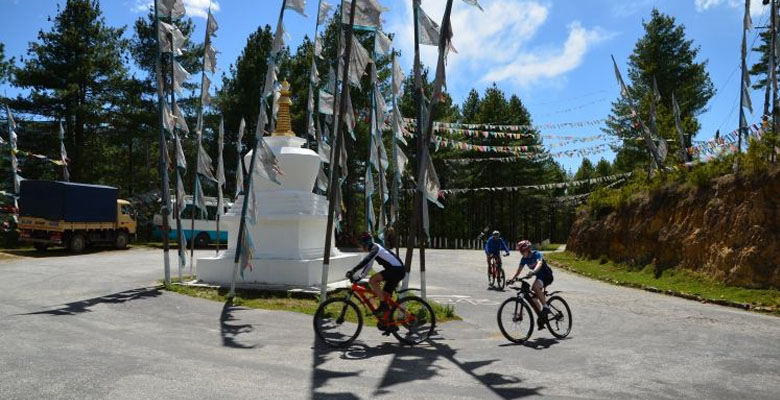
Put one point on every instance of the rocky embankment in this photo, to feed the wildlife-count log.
(729, 230)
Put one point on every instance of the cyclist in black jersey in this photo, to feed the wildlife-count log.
(393, 272)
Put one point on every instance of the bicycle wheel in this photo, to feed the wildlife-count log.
(337, 322)
(559, 320)
(501, 280)
(415, 319)
(491, 275)
(515, 320)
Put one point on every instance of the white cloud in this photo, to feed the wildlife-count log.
(195, 8)
(756, 6)
(499, 44)
(528, 68)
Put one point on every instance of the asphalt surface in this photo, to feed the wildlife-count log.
(95, 327)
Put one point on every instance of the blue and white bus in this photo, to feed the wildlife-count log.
(205, 232)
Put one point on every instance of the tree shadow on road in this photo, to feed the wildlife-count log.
(413, 364)
(83, 306)
(320, 376)
(231, 332)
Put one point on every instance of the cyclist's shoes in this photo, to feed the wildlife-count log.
(541, 321)
(389, 330)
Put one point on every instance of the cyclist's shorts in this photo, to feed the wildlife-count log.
(391, 277)
(546, 277)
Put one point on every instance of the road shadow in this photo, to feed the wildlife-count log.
(413, 363)
(320, 376)
(83, 306)
(536, 343)
(55, 253)
(230, 332)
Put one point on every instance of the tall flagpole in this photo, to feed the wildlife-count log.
(250, 174)
(179, 236)
(396, 169)
(423, 138)
(166, 194)
(310, 110)
(411, 236)
(377, 140)
(337, 143)
(199, 134)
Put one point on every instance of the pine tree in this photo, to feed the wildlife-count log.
(663, 53)
(75, 73)
(5, 65)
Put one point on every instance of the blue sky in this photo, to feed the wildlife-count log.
(554, 54)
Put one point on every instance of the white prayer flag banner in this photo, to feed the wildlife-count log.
(173, 8)
(382, 44)
(398, 77)
(179, 197)
(205, 97)
(298, 6)
(358, 63)
(318, 47)
(181, 123)
(63, 154)
(239, 168)
(210, 59)
(474, 3)
(180, 75)
(181, 161)
(326, 103)
(367, 13)
(401, 160)
(169, 121)
(204, 165)
(211, 25)
(325, 8)
(349, 117)
(220, 168)
(165, 42)
(429, 30)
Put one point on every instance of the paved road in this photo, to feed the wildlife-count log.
(94, 327)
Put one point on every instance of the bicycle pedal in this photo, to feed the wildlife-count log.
(389, 330)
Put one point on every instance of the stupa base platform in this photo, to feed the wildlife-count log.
(218, 271)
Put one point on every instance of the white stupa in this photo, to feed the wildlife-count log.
(289, 235)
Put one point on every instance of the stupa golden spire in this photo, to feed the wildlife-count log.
(283, 127)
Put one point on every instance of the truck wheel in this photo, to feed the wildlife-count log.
(202, 240)
(77, 243)
(121, 240)
(41, 246)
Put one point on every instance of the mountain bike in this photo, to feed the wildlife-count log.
(516, 320)
(496, 277)
(338, 321)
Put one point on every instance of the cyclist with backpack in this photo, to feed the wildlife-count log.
(544, 277)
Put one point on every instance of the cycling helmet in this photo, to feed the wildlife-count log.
(523, 244)
(496, 233)
(366, 239)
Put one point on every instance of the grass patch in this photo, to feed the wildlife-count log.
(305, 303)
(682, 282)
(551, 247)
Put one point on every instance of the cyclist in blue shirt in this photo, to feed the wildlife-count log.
(493, 248)
(544, 277)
